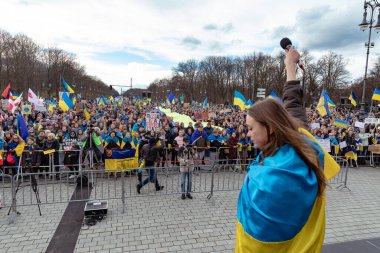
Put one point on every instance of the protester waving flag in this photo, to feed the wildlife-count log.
(353, 99)
(22, 128)
(274, 95)
(376, 95)
(67, 87)
(14, 104)
(171, 97)
(322, 106)
(65, 103)
(6, 91)
(248, 104)
(239, 100)
(32, 98)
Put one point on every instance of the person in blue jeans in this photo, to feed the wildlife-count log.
(150, 154)
(186, 162)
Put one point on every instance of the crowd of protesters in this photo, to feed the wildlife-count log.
(219, 138)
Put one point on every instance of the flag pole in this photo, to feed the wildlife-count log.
(60, 83)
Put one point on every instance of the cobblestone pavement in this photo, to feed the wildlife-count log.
(166, 223)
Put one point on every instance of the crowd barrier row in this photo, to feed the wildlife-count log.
(55, 185)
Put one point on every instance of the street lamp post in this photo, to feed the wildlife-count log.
(373, 5)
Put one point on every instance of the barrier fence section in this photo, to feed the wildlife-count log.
(340, 180)
(62, 178)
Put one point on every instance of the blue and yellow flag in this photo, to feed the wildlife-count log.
(86, 114)
(51, 107)
(353, 99)
(120, 159)
(65, 103)
(171, 97)
(273, 95)
(249, 104)
(67, 87)
(267, 221)
(376, 94)
(340, 123)
(22, 129)
(239, 100)
(328, 99)
(322, 106)
(102, 101)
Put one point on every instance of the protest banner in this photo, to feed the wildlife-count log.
(152, 121)
(40, 108)
(371, 121)
(359, 124)
(325, 143)
(5, 104)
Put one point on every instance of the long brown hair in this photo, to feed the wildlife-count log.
(282, 128)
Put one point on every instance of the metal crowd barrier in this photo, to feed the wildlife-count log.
(59, 185)
(340, 180)
(6, 186)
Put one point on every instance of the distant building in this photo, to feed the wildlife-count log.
(344, 101)
(139, 93)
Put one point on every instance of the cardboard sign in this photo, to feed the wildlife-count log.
(69, 144)
(343, 144)
(359, 124)
(5, 104)
(40, 108)
(315, 125)
(152, 121)
(371, 120)
(325, 144)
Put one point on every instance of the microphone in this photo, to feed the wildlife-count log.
(286, 44)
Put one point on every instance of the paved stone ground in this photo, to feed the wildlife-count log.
(165, 223)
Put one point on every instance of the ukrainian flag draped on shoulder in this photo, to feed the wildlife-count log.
(274, 215)
(239, 100)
